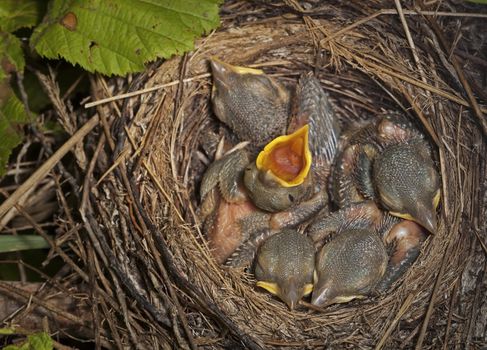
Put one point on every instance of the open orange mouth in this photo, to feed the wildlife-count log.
(287, 158)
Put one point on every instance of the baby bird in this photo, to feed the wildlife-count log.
(225, 203)
(280, 177)
(230, 218)
(407, 183)
(391, 163)
(284, 266)
(293, 166)
(353, 263)
(252, 104)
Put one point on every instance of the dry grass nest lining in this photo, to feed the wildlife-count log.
(367, 71)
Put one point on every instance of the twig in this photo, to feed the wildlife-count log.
(481, 241)
(53, 245)
(417, 83)
(406, 12)
(40, 173)
(26, 296)
(410, 39)
(12, 212)
(404, 307)
(436, 287)
(461, 76)
(419, 113)
(144, 91)
(450, 314)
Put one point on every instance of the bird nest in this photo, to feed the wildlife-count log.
(141, 215)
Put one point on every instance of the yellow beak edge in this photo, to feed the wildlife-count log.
(287, 158)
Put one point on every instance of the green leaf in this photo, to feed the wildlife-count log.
(119, 36)
(11, 55)
(15, 14)
(17, 243)
(12, 117)
(7, 331)
(484, 2)
(37, 341)
(40, 341)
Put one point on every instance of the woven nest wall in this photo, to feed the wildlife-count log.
(142, 214)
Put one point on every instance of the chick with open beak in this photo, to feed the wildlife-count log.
(280, 177)
(292, 167)
(233, 224)
(254, 105)
(279, 185)
(284, 266)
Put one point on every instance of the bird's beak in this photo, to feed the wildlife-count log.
(271, 287)
(222, 71)
(319, 297)
(291, 301)
(427, 218)
(291, 294)
(287, 158)
(422, 214)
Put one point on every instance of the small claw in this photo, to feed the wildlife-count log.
(245, 254)
(220, 149)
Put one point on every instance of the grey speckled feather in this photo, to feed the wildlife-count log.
(286, 255)
(254, 106)
(225, 173)
(405, 171)
(350, 265)
(312, 106)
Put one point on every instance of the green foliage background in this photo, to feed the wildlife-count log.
(112, 37)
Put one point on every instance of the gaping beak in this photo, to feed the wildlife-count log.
(287, 158)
